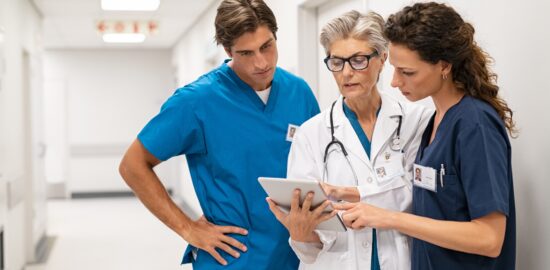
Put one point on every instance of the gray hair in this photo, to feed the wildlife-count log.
(352, 24)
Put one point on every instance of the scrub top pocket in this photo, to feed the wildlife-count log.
(449, 194)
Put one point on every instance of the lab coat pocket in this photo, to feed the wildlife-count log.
(395, 185)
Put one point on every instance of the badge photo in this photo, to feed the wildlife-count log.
(291, 130)
(389, 167)
(424, 177)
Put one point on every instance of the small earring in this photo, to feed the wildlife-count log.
(444, 77)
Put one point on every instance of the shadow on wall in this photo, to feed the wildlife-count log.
(527, 223)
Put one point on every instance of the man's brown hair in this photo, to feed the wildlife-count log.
(236, 17)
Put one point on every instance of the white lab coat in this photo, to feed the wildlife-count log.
(352, 249)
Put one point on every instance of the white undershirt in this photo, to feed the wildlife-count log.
(264, 94)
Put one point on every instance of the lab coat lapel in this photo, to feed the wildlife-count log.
(386, 124)
(344, 132)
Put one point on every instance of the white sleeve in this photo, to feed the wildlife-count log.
(306, 252)
(309, 252)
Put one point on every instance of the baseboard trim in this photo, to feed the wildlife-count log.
(105, 194)
(2, 252)
(44, 248)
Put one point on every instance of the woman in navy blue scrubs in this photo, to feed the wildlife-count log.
(463, 197)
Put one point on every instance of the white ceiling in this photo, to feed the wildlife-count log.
(71, 24)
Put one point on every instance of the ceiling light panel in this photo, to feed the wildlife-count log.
(123, 38)
(130, 5)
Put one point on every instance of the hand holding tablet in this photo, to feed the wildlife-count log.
(281, 192)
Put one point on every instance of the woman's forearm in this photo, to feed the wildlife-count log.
(483, 236)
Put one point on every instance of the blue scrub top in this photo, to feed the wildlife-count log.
(230, 138)
(472, 144)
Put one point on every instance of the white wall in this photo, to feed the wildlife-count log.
(107, 96)
(286, 12)
(21, 204)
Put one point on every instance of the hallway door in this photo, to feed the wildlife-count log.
(34, 152)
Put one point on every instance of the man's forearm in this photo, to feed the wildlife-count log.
(148, 188)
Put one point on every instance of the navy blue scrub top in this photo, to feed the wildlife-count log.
(472, 144)
(230, 138)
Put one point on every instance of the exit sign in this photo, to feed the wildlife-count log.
(127, 27)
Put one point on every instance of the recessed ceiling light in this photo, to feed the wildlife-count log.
(130, 5)
(123, 38)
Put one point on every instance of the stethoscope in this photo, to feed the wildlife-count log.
(395, 145)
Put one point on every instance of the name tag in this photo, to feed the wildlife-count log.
(389, 166)
(424, 177)
(291, 130)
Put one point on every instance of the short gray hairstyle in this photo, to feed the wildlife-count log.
(353, 24)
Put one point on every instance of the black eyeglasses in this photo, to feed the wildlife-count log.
(357, 62)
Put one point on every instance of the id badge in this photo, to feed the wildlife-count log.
(291, 130)
(389, 167)
(424, 177)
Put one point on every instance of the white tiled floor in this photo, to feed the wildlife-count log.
(109, 234)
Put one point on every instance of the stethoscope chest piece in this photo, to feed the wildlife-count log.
(396, 144)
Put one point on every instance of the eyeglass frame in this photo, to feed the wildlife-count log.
(368, 56)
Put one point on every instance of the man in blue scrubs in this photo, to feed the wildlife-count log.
(234, 124)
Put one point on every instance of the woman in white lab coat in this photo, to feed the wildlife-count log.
(362, 147)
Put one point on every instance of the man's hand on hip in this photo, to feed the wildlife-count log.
(207, 236)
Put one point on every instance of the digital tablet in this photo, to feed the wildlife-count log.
(281, 191)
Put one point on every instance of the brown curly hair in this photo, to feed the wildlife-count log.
(437, 32)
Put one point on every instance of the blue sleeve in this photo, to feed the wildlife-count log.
(176, 130)
(483, 169)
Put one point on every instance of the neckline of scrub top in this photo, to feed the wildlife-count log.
(251, 93)
(425, 144)
(352, 117)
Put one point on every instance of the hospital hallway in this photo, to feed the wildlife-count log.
(108, 234)
(80, 79)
